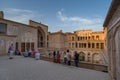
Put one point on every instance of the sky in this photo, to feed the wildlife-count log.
(66, 15)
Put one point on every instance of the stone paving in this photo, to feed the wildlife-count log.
(21, 68)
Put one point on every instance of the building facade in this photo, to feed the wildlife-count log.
(112, 22)
(87, 43)
(23, 36)
(56, 41)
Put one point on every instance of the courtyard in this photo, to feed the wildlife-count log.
(21, 68)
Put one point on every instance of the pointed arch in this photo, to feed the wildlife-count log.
(41, 38)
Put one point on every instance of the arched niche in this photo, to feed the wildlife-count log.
(41, 38)
(82, 56)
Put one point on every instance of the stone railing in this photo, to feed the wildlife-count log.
(97, 67)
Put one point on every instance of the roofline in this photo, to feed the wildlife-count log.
(19, 23)
(39, 23)
(98, 32)
(83, 30)
(56, 33)
(111, 11)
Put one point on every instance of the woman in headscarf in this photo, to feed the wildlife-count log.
(11, 50)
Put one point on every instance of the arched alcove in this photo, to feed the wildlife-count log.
(41, 38)
(82, 56)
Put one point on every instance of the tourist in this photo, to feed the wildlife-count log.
(65, 58)
(11, 51)
(76, 58)
(68, 57)
(49, 54)
(54, 55)
(37, 55)
(25, 53)
(29, 53)
(17, 52)
(33, 53)
(58, 57)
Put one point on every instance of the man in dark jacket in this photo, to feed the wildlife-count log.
(76, 58)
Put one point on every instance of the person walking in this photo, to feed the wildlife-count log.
(68, 57)
(11, 51)
(76, 58)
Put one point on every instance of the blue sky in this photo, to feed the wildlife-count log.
(68, 15)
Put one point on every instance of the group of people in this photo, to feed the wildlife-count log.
(56, 55)
(67, 58)
(30, 53)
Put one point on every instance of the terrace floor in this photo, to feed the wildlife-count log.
(21, 68)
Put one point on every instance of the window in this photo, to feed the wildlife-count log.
(97, 37)
(97, 45)
(41, 38)
(72, 45)
(81, 38)
(41, 44)
(93, 45)
(27, 46)
(72, 38)
(84, 45)
(102, 45)
(89, 45)
(76, 45)
(22, 47)
(89, 38)
(47, 44)
(32, 46)
(79, 45)
(78, 38)
(47, 38)
(3, 28)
